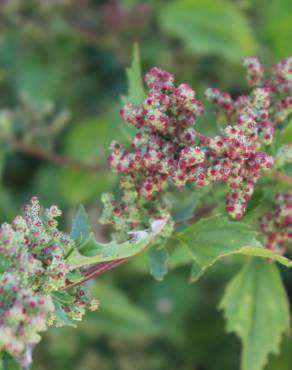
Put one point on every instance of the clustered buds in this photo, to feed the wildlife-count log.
(33, 266)
(23, 314)
(167, 148)
(279, 83)
(276, 224)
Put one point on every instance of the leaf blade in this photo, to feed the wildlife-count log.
(96, 252)
(216, 237)
(256, 309)
(80, 225)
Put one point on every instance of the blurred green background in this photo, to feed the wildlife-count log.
(69, 57)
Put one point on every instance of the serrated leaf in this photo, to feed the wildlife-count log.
(136, 93)
(213, 238)
(158, 262)
(92, 251)
(80, 226)
(256, 308)
(196, 23)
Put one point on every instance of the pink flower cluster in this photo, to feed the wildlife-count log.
(36, 239)
(279, 82)
(23, 314)
(33, 257)
(238, 148)
(167, 146)
(164, 145)
(277, 224)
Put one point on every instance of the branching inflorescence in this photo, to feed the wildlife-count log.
(167, 146)
(35, 277)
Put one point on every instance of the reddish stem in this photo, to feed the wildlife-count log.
(96, 270)
(56, 158)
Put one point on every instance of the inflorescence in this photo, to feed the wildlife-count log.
(167, 148)
(35, 278)
(33, 266)
(276, 224)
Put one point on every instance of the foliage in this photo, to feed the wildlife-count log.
(62, 82)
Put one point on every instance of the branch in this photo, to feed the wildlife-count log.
(55, 158)
(96, 270)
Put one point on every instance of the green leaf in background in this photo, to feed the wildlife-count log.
(118, 315)
(4, 264)
(213, 238)
(275, 26)
(80, 226)
(256, 308)
(209, 27)
(96, 134)
(158, 262)
(7, 362)
(41, 78)
(286, 135)
(93, 251)
(136, 93)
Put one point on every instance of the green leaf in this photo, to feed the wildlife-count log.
(158, 262)
(80, 187)
(213, 238)
(275, 27)
(136, 93)
(2, 162)
(93, 251)
(209, 27)
(63, 297)
(286, 135)
(7, 362)
(118, 315)
(80, 226)
(61, 315)
(256, 308)
(4, 264)
(74, 276)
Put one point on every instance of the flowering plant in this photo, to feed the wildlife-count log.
(43, 270)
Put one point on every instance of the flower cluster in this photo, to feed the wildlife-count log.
(238, 148)
(167, 146)
(277, 224)
(23, 314)
(34, 245)
(33, 266)
(279, 82)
